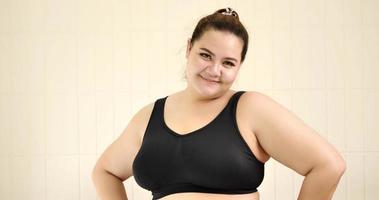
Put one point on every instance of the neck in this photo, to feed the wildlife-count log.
(192, 96)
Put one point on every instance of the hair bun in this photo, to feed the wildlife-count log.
(228, 11)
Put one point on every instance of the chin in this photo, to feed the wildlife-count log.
(211, 92)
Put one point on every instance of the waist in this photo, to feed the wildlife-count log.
(211, 196)
(187, 191)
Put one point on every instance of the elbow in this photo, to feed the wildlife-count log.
(340, 166)
(337, 166)
(97, 172)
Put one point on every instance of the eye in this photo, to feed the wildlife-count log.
(230, 64)
(204, 55)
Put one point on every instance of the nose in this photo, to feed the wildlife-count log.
(214, 70)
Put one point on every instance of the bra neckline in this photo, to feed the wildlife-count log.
(198, 129)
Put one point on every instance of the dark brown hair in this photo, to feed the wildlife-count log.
(225, 19)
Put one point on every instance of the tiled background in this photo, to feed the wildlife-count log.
(73, 72)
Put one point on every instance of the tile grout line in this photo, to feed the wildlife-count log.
(45, 107)
(363, 100)
(77, 98)
(272, 82)
(291, 81)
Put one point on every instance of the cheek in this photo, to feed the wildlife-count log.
(229, 76)
(197, 65)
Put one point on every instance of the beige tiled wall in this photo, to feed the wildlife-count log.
(72, 73)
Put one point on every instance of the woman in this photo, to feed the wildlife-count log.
(198, 144)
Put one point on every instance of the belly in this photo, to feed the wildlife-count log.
(211, 196)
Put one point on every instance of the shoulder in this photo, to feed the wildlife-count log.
(252, 100)
(253, 104)
(141, 118)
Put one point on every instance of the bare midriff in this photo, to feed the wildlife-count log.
(211, 196)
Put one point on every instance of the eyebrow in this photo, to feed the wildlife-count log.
(210, 52)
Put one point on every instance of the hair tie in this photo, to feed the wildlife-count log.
(229, 11)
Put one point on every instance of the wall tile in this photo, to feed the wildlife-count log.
(370, 16)
(298, 182)
(307, 13)
(20, 125)
(355, 175)
(268, 185)
(263, 52)
(61, 16)
(281, 59)
(353, 57)
(308, 58)
(158, 12)
(352, 13)
(341, 190)
(371, 116)
(27, 54)
(6, 111)
(246, 10)
(62, 124)
(5, 17)
(19, 56)
(284, 182)
(140, 67)
(61, 63)
(335, 55)
(336, 119)
(311, 107)
(6, 62)
(86, 20)
(62, 181)
(104, 63)
(104, 120)
(87, 187)
(28, 16)
(86, 63)
(176, 60)
(158, 63)
(334, 11)
(263, 14)
(37, 124)
(138, 16)
(29, 176)
(371, 175)
(370, 57)
(5, 177)
(354, 120)
(281, 13)
(122, 61)
(87, 116)
(123, 113)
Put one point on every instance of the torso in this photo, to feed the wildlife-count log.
(174, 116)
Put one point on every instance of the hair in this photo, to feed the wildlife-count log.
(225, 19)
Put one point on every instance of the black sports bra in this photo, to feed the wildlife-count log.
(212, 159)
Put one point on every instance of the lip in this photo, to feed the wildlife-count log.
(210, 80)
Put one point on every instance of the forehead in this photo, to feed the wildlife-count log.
(221, 42)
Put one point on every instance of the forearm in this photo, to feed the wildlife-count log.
(108, 186)
(320, 183)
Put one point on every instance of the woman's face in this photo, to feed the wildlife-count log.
(216, 56)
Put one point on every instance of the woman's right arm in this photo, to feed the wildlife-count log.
(115, 164)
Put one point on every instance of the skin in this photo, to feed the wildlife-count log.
(217, 67)
(269, 129)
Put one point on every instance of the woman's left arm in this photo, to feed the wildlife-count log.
(287, 139)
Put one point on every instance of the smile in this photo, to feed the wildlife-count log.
(209, 80)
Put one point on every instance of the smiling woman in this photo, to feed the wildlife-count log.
(210, 142)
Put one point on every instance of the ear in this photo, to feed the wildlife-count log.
(189, 47)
